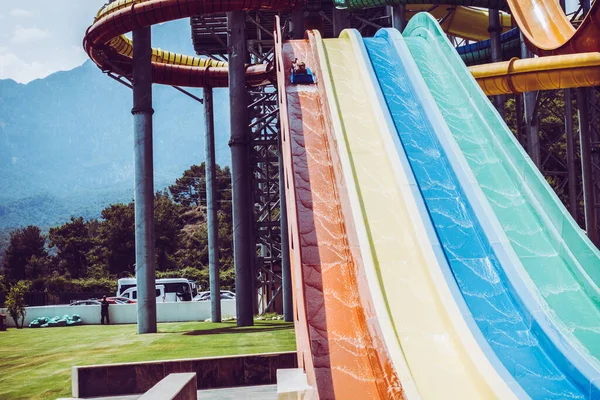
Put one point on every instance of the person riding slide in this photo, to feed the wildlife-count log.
(300, 73)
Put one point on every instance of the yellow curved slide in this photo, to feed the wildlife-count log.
(543, 73)
(393, 241)
(464, 22)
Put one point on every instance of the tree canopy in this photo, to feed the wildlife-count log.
(92, 254)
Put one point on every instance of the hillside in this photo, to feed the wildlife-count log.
(66, 140)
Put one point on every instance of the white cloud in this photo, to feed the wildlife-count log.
(28, 35)
(11, 66)
(19, 13)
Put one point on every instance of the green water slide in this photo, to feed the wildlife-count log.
(562, 265)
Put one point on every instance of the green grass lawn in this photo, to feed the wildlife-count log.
(36, 363)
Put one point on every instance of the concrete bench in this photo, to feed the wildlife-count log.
(173, 387)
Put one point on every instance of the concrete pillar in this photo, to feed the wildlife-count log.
(240, 168)
(144, 181)
(212, 220)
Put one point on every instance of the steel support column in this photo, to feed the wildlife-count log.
(286, 273)
(212, 220)
(240, 168)
(532, 126)
(519, 111)
(570, 136)
(496, 52)
(571, 169)
(297, 24)
(341, 21)
(592, 143)
(144, 181)
(586, 165)
(397, 15)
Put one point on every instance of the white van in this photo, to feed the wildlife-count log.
(131, 293)
(176, 289)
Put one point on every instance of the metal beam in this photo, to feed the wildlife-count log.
(341, 21)
(212, 220)
(571, 169)
(297, 25)
(586, 165)
(397, 15)
(532, 127)
(496, 51)
(240, 168)
(144, 181)
(286, 273)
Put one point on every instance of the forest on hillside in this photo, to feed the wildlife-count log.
(90, 255)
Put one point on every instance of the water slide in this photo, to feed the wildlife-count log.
(463, 22)
(419, 316)
(110, 50)
(355, 333)
(337, 330)
(528, 346)
(107, 46)
(542, 73)
(546, 28)
(555, 252)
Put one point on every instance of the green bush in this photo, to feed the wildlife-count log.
(15, 302)
(58, 283)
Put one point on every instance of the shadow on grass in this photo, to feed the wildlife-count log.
(262, 327)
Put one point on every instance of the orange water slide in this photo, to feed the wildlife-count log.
(339, 340)
(548, 31)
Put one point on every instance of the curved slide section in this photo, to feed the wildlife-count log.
(473, 259)
(544, 240)
(106, 44)
(338, 334)
(459, 21)
(111, 51)
(443, 358)
(547, 29)
(542, 73)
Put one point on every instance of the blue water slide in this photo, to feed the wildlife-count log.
(506, 315)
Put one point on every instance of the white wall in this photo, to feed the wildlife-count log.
(127, 313)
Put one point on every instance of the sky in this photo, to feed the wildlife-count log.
(40, 37)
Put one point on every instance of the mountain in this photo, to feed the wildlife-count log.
(66, 144)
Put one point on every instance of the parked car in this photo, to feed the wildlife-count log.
(120, 300)
(85, 303)
(205, 296)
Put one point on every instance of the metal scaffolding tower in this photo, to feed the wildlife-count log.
(210, 36)
(557, 152)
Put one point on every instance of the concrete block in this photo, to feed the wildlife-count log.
(173, 387)
(292, 384)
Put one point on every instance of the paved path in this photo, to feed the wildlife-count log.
(263, 392)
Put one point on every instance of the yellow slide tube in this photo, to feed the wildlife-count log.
(464, 22)
(543, 73)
